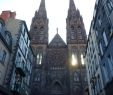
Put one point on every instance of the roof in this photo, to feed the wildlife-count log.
(57, 42)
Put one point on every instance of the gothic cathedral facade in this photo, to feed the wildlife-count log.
(53, 73)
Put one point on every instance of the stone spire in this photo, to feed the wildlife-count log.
(42, 10)
(39, 26)
(72, 9)
(72, 5)
(75, 26)
(42, 5)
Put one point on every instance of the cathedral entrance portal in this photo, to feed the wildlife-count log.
(57, 88)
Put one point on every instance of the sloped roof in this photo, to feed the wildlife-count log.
(57, 42)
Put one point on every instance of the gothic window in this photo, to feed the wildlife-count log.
(35, 27)
(39, 58)
(41, 33)
(41, 38)
(79, 27)
(72, 35)
(74, 59)
(72, 27)
(76, 78)
(37, 78)
(80, 37)
(41, 28)
(82, 59)
(57, 86)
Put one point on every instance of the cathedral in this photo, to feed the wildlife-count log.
(53, 72)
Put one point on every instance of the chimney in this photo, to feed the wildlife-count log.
(5, 15)
(13, 15)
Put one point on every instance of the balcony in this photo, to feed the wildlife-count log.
(20, 68)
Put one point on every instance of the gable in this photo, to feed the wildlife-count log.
(57, 42)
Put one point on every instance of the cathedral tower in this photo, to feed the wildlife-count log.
(39, 42)
(75, 27)
(76, 41)
(39, 32)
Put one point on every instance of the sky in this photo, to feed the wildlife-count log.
(56, 12)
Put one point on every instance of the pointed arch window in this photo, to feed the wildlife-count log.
(74, 60)
(82, 59)
(72, 35)
(35, 27)
(76, 78)
(41, 28)
(39, 58)
(72, 27)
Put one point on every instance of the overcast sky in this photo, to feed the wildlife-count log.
(56, 12)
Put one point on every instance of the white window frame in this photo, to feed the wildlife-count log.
(105, 38)
(101, 50)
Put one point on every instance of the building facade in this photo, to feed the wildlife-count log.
(92, 60)
(5, 53)
(21, 57)
(102, 27)
(53, 73)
